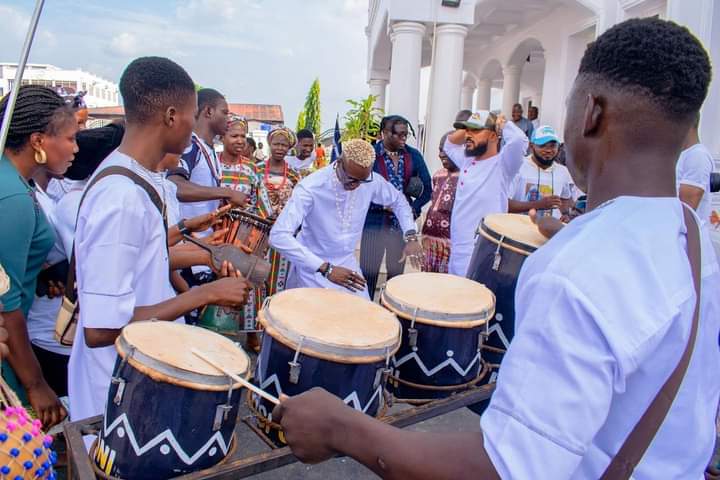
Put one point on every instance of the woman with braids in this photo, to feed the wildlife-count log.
(41, 137)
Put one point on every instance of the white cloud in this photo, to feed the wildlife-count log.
(125, 45)
(15, 21)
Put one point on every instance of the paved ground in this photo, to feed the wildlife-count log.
(348, 469)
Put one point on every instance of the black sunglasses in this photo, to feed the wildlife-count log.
(353, 180)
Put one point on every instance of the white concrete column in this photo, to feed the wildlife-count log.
(447, 77)
(484, 94)
(466, 97)
(702, 17)
(377, 89)
(405, 64)
(511, 88)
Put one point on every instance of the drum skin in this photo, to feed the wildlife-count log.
(443, 357)
(162, 430)
(353, 383)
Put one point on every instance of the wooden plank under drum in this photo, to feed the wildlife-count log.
(236, 468)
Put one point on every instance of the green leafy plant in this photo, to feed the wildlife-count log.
(312, 120)
(362, 120)
(300, 121)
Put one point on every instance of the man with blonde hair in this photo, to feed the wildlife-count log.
(329, 208)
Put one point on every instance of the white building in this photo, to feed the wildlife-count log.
(501, 52)
(100, 92)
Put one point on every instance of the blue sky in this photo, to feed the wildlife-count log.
(254, 51)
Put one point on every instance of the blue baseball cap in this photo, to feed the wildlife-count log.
(543, 135)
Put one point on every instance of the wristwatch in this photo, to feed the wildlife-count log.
(411, 236)
(184, 230)
(327, 270)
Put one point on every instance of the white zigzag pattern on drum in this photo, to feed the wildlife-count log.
(166, 436)
(352, 400)
(449, 362)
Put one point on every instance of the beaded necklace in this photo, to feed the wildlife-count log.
(266, 177)
(345, 216)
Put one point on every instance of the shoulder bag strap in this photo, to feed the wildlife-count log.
(637, 443)
(70, 292)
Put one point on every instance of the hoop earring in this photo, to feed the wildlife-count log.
(40, 157)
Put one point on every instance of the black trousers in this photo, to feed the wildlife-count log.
(54, 367)
(378, 239)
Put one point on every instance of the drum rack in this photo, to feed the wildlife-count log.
(81, 468)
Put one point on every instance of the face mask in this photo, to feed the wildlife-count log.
(478, 151)
(542, 161)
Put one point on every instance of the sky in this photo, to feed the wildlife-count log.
(253, 51)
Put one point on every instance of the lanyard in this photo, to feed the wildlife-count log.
(211, 165)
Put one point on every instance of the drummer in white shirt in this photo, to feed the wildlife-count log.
(121, 246)
(542, 183)
(329, 207)
(486, 177)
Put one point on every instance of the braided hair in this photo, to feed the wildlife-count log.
(38, 109)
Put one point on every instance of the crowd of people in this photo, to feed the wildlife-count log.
(604, 309)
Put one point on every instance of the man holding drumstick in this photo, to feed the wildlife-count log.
(605, 309)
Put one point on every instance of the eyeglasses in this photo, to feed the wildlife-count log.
(348, 180)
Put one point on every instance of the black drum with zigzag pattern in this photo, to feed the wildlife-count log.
(444, 319)
(504, 242)
(168, 412)
(318, 337)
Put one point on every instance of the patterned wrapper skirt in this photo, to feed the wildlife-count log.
(437, 254)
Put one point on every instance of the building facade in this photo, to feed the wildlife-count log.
(487, 54)
(99, 92)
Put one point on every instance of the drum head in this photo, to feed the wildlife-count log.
(518, 230)
(439, 299)
(331, 325)
(163, 351)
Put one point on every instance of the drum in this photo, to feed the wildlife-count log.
(248, 232)
(444, 320)
(168, 412)
(325, 338)
(504, 242)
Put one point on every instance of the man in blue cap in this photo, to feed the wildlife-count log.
(542, 183)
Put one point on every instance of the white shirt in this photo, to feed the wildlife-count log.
(171, 204)
(332, 221)
(202, 172)
(301, 165)
(43, 312)
(533, 183)
(483, 188)
(122, 263)
(604, 311)
(694, 168)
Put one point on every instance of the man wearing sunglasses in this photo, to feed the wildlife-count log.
(329, 209)
(405, 168)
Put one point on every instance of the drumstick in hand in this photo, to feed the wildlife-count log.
(235, 377)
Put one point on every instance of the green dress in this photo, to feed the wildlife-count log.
(24, 244)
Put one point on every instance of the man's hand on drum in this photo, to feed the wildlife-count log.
(310, 423)
(413, 251)
(547, 224)
(236, 199)
(347, 278)
(229, 291)
(217, 237)
(208, 220)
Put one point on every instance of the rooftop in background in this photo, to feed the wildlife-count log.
(272, 114)
(258, 112)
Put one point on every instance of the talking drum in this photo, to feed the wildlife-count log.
(444, 319)
(504, 242)
(250, 233)
(168, 412)
(325, 338)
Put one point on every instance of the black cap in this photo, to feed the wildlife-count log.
(94, 145)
